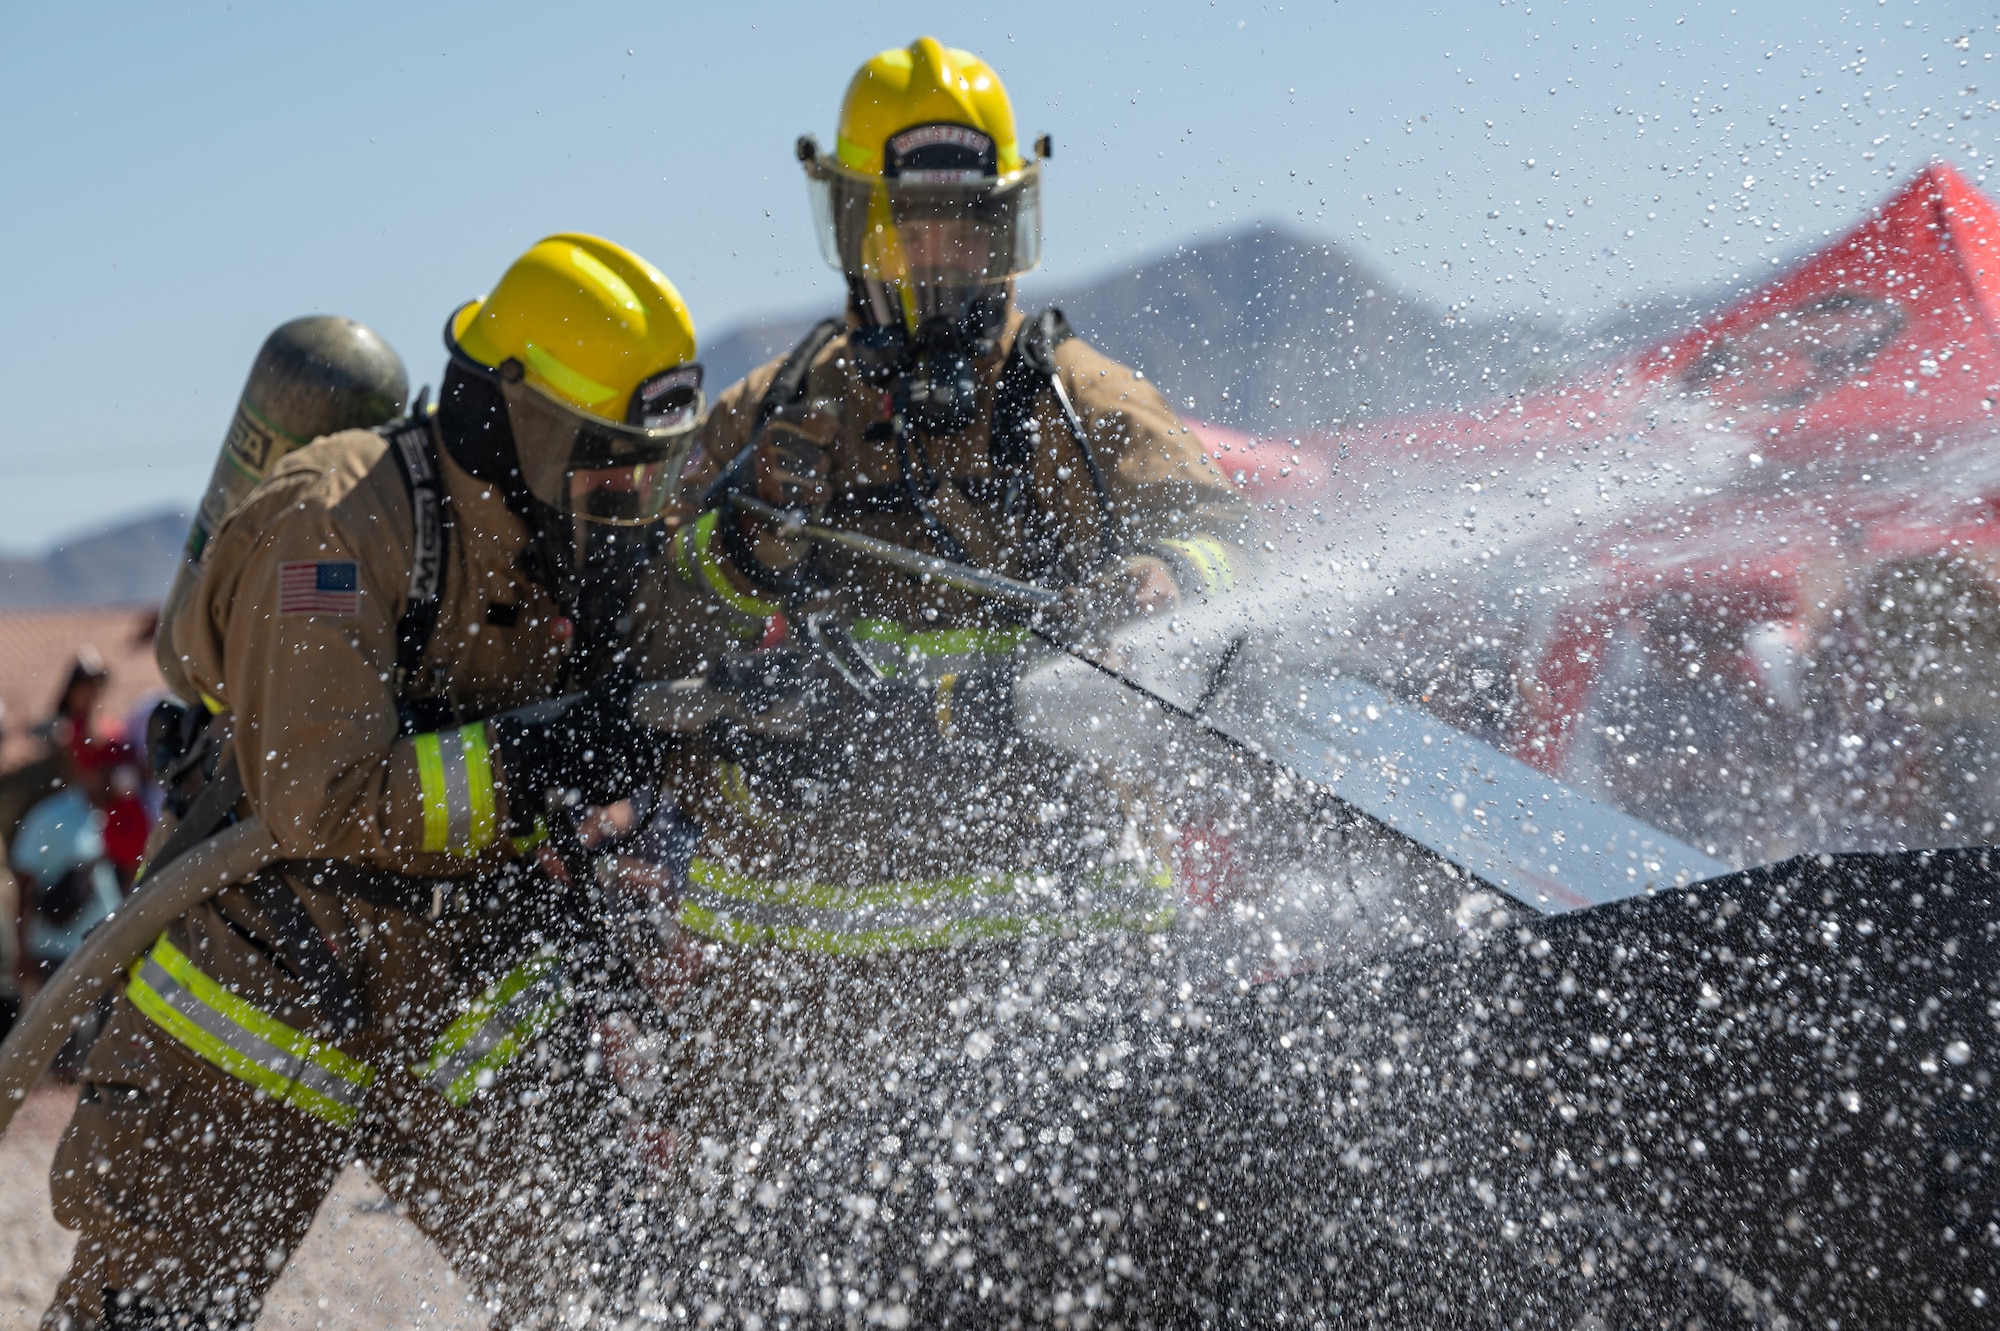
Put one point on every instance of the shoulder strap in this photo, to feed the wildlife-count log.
(1022, 379)
(415, 450)
(788, 386)
(1031, 367)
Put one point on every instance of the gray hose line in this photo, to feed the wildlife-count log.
(225, 859)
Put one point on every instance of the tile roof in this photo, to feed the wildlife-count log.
(37, 648)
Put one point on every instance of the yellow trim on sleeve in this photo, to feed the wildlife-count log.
(717, 578)
(430, 780)
(1207, 557)
(479, 784)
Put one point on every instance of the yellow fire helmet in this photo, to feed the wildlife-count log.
(593, 351)
(927, 187)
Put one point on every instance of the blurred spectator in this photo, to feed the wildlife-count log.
(74, 822)
(103, 763)
(70, 727)
(64, 876)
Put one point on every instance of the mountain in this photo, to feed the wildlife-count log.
(743, 348)
(129, 564)
(1273, 331)
(1267, 330)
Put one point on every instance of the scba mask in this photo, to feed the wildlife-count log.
(938, 222)
(929, 247)
(592, 470)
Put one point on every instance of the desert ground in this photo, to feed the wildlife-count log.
(362, 1266)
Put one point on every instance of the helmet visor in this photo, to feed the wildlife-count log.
(923, 228)
(604, 471)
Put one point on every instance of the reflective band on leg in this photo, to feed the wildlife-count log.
(457, 799)
(455, 774)
(499, 1024)
(290, 1066)
(479, 785)
(890, 917)
(930, 656)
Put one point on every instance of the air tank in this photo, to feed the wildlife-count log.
(313, 376)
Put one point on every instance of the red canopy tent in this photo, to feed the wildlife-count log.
(1828, 433)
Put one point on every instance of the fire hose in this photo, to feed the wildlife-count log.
(242, 849)
(230, 856)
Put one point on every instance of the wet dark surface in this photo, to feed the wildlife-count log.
(1764, 1101)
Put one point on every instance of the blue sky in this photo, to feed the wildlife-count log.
(180, 178)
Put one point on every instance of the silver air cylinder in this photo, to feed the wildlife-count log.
(313, 376)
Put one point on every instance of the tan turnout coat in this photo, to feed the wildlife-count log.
(918, 804)
(313, 695)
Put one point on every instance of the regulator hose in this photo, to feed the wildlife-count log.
(229, 857)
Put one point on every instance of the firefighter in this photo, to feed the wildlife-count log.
(878, 841)
(364, 627)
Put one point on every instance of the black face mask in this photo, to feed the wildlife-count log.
(593, 572)
(942, 392)
(612, 561)
(932, 374)
(592, 569)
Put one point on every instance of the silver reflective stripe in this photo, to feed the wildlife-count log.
(457, 790)
(521, 1012)
(263, 1053)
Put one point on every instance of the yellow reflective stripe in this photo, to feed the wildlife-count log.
(251, 1046)
(503, 1020)
(725, 928)
(851, 154)
(1209, 558)
(535, 837)
(479, 786)
(681, 563)
(943, 703)
(569, 382)
(942, 642)
(734, 907)
(455, 780)
(214, 705)
(717, 579)
(430, 782)
(704, 873)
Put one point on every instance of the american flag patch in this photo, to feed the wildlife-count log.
(319, 587)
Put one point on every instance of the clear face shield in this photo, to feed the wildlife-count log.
(934, 239)
(592, 470)
(605, 483)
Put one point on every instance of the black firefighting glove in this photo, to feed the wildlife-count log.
(789, 462)
(591, 751)
(1134, 587)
